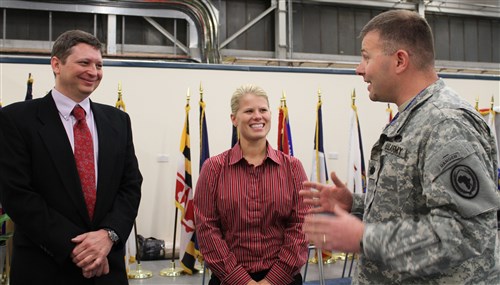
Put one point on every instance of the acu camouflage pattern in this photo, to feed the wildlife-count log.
(431, 205)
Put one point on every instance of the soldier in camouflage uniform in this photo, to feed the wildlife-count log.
(430, 211)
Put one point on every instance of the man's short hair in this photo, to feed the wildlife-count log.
(407, 30)
(64, 43)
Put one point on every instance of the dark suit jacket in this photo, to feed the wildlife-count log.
(40, 190)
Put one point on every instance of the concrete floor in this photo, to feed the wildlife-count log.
(330, 271)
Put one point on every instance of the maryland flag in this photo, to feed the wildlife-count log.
(356, 173)
(184, 200)
(284, 132)
(29, 89)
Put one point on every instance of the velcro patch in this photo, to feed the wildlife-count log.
(395, 149)
(464, 181)
(447, 157)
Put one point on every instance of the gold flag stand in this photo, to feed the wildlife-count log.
(172, 271)
(139, 273)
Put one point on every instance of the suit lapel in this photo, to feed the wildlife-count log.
(56, 141)
(108, 147)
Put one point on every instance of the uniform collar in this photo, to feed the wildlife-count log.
(412, 105)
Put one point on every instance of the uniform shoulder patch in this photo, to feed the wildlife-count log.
(464, 181)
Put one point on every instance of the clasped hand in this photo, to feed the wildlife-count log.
(91, 251)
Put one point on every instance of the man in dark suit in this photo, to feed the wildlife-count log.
(69, 228)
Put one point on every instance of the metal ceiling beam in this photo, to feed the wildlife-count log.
(167, 34)
(395, 4)
(249, 25)
(468, 7)
(281, 29)
(459, 11)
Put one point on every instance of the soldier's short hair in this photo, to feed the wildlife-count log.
(403, 29)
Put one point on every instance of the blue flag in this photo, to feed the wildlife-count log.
(234, 136)
(29, 89)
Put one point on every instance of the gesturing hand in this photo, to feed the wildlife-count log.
(324, 198)
(341, 231)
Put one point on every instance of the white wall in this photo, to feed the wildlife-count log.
(155, 99)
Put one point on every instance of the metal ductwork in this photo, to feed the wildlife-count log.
(200, 13)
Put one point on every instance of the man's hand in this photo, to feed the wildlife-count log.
(91, 251)
(341, 231)
(102, 270)
(327, 197)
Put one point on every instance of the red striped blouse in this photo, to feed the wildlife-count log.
(249, 219)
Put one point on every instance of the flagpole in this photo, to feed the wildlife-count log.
(281, 122)
(172, 271)
(138, 273)
(201, 267)
(318, 178)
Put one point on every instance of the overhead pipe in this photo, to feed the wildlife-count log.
(202, 12)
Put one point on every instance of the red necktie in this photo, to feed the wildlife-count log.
(84, 157)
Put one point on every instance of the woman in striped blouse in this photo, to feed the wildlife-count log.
(248, 212)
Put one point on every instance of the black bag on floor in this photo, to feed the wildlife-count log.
(150, 248)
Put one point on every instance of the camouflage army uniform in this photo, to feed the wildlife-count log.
(430, 208)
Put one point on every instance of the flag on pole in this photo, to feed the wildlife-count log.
(130, 249)
(29, 89)
(319, 171)
(284, 131)
(356, 173)
(204, 147)
(234, 136)
(389, 112)
(130, 245)
(204, 155)
(184, 199)
(120, 104)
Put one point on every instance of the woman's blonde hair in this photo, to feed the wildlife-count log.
(243, 90)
